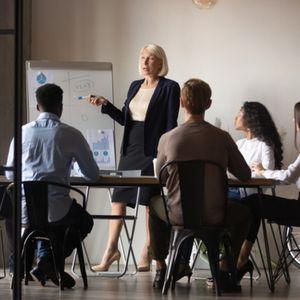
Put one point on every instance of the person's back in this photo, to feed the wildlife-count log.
(49, 149)
(199, 140)
(196, 139)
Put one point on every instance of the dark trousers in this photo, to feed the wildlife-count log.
(269, 207)
(65, 232)
(76, 219)
(160, 232)
(237, 219)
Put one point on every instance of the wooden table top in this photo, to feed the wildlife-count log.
(150, 180)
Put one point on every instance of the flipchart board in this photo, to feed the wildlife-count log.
(78, 79)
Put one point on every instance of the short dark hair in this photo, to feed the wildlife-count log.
(49, 96)
(196, 95)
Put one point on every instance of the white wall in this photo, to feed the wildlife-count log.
(245, 49)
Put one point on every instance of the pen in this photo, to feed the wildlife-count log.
(84, 97)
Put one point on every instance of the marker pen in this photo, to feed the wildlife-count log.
(84, 97)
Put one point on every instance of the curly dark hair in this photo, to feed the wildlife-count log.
(297, 122)
(258, 119)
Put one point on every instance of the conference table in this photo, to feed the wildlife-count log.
(139, 181)
(260, 184)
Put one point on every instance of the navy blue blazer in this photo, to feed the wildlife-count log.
(161, 115)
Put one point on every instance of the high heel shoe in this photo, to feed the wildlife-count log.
(247, 267)
(104, 267)
(183, 270)
(145, 266)
(159, 278)
(226, 284)
(223, 275)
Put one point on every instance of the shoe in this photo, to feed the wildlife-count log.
(247, 267)
(104, 267)
(159, 278)
(223, 277)
(226, 284)
(229, 287)
(67, 280)
(38, 275)
(145, 265)
(48, 269)
(183, 270)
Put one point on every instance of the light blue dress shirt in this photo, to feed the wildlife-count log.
(49, 148)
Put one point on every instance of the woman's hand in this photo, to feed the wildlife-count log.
(257, 168)
(97, 100)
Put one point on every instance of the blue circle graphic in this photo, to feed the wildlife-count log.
(41, 78)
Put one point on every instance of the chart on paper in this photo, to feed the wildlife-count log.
(102, 144)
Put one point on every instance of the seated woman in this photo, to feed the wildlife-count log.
(271, 206)
(262, 142)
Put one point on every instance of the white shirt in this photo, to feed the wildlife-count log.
(49, 149)
(139, 104)
(290, 175)
(254, 150)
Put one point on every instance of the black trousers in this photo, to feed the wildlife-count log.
(269, 207)
(76, 219)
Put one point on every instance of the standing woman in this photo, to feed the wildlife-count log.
(150, 110)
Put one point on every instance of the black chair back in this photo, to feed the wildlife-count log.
(36, 197)
(202, 186)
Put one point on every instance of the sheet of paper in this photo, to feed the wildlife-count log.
(103, 147)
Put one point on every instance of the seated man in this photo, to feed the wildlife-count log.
(194, 139)
(49, 150)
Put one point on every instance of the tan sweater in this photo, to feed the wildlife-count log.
(198, 140)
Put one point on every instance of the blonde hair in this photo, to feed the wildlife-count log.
(159, 53)
(196, 95)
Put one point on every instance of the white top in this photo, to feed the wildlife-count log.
(49, 150)
(255, 150)
(291, 175)
(139, 104)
